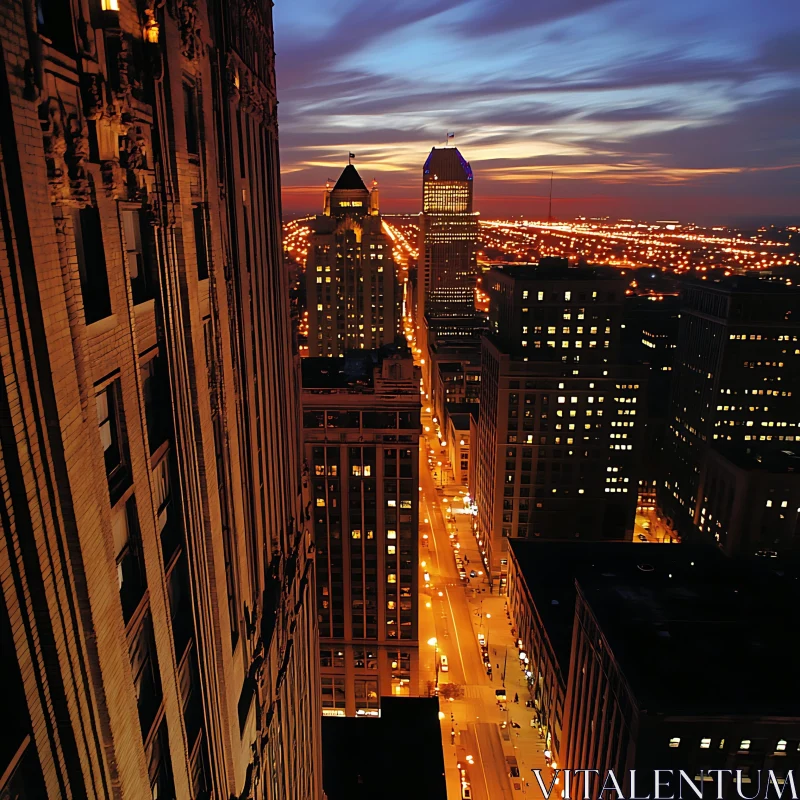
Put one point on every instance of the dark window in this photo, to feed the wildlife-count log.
(91, 264)
(313, 419)
(138, 246)
(157, 404)
(180, 607)
(160, 765)
(130, 564)
(112, 437)
(190, 117)
(146, 680)
(199, 218)
(169, 526)
(54, 22)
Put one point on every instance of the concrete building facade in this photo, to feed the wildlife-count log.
(560, 418)
(157, 620)
(361, 429)
(736, 381)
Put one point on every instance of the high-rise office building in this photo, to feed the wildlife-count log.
(448, 238)
(352, 295)
(157, 621)
(361, 427)
(560, 416)
(736, 383)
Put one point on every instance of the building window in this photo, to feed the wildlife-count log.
(333, 692)
(157, 405)
(366, 694)
(675, 741)
(744, 746)
(128, 552)
(146, 679)
(190, 117)
(160, 765)
(705, 744)
(91, 257)
(112, 437)
(201, 249)
(138, 244)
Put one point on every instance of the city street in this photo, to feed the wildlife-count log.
(476, 733)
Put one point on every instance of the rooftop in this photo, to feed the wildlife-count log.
(699, 638)
(557, 269)
(692, 631)
(447, 164)
(774, 462)
(460, 413)
(393, 757)
(350, 180)
(354, 371)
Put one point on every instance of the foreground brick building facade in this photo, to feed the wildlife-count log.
(157, 627)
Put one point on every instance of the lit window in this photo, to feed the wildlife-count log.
(391, 503)
(356, 534)
(562, 399)
(391, 534)
(356, 471)
(744, 746)
(567, 296)
(705, 744)
(769, 503)
(391, 549)
(391, 578)
(320, 502)
(675, 741)
(781, 748)
(367, 470)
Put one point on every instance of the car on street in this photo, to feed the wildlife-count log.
(500, 694)
(641, 537)
(466, 792)
(473, 574)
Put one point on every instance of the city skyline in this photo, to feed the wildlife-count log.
(682, 113)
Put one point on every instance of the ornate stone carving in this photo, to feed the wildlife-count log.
(51, 115)
(113, 178)
(189, 26)
(92, 92)
(79, 181)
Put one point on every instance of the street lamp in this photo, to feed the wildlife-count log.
(433, 642)
(488, 616)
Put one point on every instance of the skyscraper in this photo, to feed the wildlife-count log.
(560, 417)
(157, 622)
(361, 426)
(736, 382)
(448, 238)
(351, 290)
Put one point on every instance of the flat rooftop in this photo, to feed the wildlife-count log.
(558, 269)
(701, 638)
(353, 371)
(396, 756)
(692, 631)
(775, 462)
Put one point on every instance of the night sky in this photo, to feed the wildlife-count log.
(681, 109)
